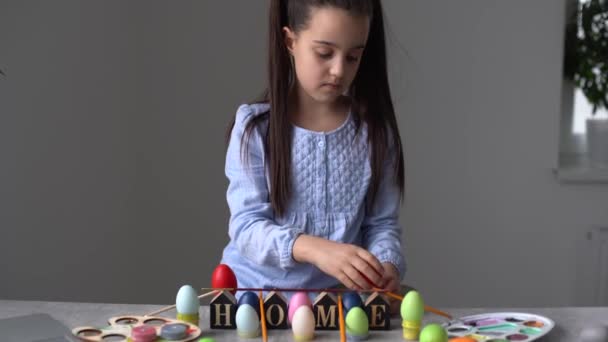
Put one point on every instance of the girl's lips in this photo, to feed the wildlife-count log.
(332, 86)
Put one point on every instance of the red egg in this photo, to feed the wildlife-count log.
(223, 277)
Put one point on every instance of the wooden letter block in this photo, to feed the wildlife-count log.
(222, 311)
(325, 309)
(378, 314)
(275, 306)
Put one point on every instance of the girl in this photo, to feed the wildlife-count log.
(316, 166)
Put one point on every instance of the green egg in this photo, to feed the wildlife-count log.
(356, 322)
(206, 339)
(412, 306)
(433, 333)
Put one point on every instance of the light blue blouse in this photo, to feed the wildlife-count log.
(330, 177)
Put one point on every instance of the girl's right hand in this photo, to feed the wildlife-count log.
(353, 266)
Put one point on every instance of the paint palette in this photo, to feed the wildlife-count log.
(500, 327)
(148, 328)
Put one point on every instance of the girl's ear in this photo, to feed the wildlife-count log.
(290, 38)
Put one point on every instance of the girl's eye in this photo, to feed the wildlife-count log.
(329, 55)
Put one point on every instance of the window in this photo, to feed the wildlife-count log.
(578, 160)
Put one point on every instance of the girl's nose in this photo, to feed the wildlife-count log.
(337, 69)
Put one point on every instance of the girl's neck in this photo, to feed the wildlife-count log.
(307, 113)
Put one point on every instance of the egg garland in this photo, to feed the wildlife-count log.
(247, 315)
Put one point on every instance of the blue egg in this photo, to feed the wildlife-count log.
(350, 300)
(186, 301)
(252, 299)
(247, 322)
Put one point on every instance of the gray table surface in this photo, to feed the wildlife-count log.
(568, 320)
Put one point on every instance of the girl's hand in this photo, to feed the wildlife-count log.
(390, 283)
(353, 266)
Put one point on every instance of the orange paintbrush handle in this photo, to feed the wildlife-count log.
(426, 307)
(263, 319)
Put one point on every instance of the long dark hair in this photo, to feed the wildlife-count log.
(369, 94)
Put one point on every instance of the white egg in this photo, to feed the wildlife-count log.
(247, 321)
(186, 301)
(303, 324)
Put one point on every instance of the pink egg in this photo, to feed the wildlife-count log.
(297, 300)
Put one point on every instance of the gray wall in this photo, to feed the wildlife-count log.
(112, 117)
(487, 223)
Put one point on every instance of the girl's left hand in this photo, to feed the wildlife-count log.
(390, 280)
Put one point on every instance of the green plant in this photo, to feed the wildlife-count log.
(586, 60)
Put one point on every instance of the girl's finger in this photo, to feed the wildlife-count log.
(356, 278)
(347, 281)
(368, 272)
(372, 261)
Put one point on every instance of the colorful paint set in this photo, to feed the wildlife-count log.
(140, 329)
(500, 327)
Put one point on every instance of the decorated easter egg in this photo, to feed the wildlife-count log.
(470, 339)
(433, 333)
(247, 321)
(303, 324)
(297, 300)
(251, 299)
(412, 306)
(357, 323)
(223, 277)
(186, 300)
(350, 300)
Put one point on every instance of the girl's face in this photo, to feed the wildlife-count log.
(327, 52)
